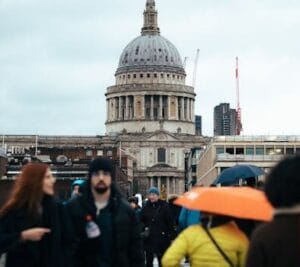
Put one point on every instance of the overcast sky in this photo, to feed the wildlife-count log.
(57, 57)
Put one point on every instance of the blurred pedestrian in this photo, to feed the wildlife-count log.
(134, 203)
(30, 222)
(158, 226)
(277, 243)
(175, 210)
(187, 218)
(77, 188)
(107, 232)
(217, 242)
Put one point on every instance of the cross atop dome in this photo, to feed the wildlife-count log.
(150, 19)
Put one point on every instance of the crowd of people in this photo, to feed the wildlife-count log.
(98, 227)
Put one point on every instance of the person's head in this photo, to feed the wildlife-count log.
(33, 183)
(251, 182)
(282, 185)
(101, 175)
(172, 198)
(153, 194)
(133, 201)
(77, 186)
(76, 189)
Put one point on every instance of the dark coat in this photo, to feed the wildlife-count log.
(44, 253)
(276, 244)
(126, 240)
(157, 216)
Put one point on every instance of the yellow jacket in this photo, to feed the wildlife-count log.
(196, 244)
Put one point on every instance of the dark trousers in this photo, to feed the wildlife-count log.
(150, 257)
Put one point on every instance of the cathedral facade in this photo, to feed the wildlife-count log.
(151, 110)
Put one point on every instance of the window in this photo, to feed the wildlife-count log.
(89, 153)
(259, 150)
(148, 75)
(249, 150)
(239, 151)
(161, 155)
(219, 150)
(141, 75)
(100, 153)
(289, 150)
(230, 150)
(134, 76)
(161, 75)
(155, 75)
(128, 76)
(109, 153)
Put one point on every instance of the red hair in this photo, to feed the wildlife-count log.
(27, 192)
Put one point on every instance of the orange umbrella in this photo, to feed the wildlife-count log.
(240, 202)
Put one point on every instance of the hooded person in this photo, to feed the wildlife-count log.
(158, 226)
(106, 229)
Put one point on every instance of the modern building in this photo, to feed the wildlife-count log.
(227, 151)
(224, 120)
(3, 162)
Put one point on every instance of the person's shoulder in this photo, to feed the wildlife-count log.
(263, 230)
(74, 205)
(124, 205)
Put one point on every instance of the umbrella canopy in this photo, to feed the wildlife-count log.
(240, 202)
(233, 174)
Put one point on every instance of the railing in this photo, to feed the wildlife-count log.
(257, 138)
(229, 157)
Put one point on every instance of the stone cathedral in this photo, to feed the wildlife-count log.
(150, 109)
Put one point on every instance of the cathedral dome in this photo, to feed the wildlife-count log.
(150, 52)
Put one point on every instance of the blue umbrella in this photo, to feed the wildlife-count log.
(232, 175)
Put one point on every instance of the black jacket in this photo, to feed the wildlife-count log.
(276, 244)
(126, 241)
(46, 253)
(158, 218)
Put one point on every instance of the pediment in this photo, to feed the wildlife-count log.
(162, 136)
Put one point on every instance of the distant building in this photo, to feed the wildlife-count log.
(198, 125)
(224, 120)
(226, 151)
(3, 162)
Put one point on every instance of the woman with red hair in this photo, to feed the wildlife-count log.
(30, 232)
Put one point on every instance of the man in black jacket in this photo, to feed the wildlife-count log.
(106, 228)
(158, 224)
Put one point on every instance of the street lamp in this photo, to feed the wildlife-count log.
(186, 170)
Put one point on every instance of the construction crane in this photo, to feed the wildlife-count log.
(184, 61)
(238, 125)
(195, 68)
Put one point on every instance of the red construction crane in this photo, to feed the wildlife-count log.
(239, 126)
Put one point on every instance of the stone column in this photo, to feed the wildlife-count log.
(193, 110)
(126, 107)
(152, 108)
(151, 181)
(182, 108)
(188, 112)
(120, 108)
(115, 114)
(168, 185)
(160, 107)
(107, 109)
(159, 183)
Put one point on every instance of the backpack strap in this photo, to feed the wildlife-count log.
(218, 247)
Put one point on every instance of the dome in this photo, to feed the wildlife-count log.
(150, 53)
